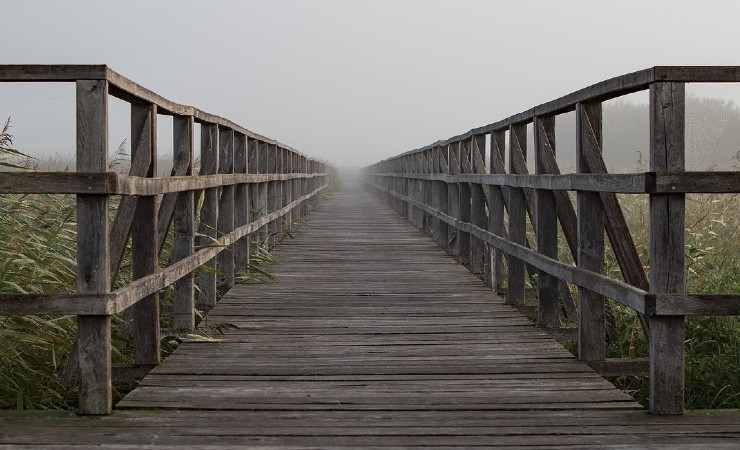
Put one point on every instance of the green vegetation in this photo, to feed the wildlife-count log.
(38, 255)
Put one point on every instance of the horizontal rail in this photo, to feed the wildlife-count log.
(628, 183)
(125, 297)
(623, 293)
(110, 183)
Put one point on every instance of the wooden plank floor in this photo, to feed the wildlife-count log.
(372, 338)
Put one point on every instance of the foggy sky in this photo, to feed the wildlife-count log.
(353, 81)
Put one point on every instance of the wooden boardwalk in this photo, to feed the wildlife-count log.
(373, 337)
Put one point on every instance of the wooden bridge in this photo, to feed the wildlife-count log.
(374, 335)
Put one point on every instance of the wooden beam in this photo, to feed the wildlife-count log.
(546, 225)
(184, 226)
(667, 222)
(93, 340)
(207, 228)
(144, 246)
(517, 216)
(225, 259)
(590, 246)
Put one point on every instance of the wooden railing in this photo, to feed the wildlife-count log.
(460, 191)
(247, 184)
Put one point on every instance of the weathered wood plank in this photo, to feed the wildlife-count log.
(183, 226)
(144, 245)
(478, 216)
(546, 225)
(207, 228)
(92, 352)
(225, 223)
(590, 253)
(517, 216)
(667, 222)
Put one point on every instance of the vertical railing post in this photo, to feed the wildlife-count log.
(208, 214)
(144, 245)
(225, 259)
(463, 238)
(440, 196)
(272, 193)
(93, 270)
(262, 151)
(517, 217)
(241, 203)
(295, 187)
(280, 192)
(667, 222)
(496, 209)
(428, 191)
(590, 251)
(305, 184)
(184, 226)
(478, 206)
(453, 199)
(546, 225)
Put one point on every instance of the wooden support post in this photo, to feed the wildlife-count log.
(439, 164)
(478, 206)
(93, 271)
(272, 193)
(428, 193)
(225, 259)
(263, 151)
(184, 225)
(241, 203)
(667, 222)
(450, 154)
(306, 185)
(254, 199)
(546, 225)
(590, 241)
(517, 217)
(208, 214)
(496, 210)
(279, 193)
(144, 246)
(295, 188)
(463, 240)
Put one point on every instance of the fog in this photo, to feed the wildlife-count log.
(352, 82)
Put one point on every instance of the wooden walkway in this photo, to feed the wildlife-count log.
(373, 337)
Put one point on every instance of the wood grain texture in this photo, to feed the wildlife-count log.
(590, 252)
(207, 228)
(546, 225)
(241, 204)
(144, 246)
(478, 215)
(225, 223)
(517, 216)
(667, 222)
(91, 354)
(183, 226)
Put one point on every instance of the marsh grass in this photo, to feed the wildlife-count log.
(712, 265)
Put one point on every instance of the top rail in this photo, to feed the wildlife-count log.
(600, 92)
(123, 88)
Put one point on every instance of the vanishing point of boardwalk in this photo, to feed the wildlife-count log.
(372, 337)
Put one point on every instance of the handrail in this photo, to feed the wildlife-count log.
(242, 173)
(460, 191)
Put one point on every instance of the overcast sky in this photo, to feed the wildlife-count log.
(354, 81)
